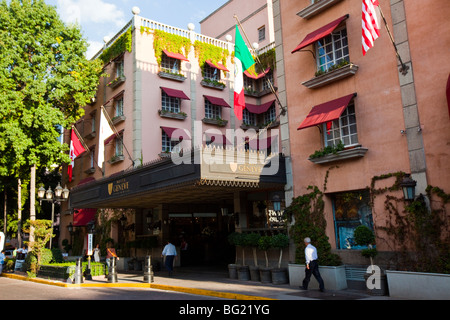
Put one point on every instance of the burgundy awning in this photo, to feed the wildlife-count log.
(113, 136)
(217, 65)
(258, 76)
(115, 97)
(258, 109)
(319, 33)
(218, 138)
(260, 143)
(175, 93)
(217, 101)
(176, 132)
(82, 217)
(326, 112)
(177, 56)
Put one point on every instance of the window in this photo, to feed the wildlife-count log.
(212, 111)
(91, 158)
(211, 73)
(119, 146)
(168, 145)
(342, 129)
(332, 50)
(265, 83)
(170, 65)
(351, 209)
(119, 69)
(170, 104)
(119, 107)
(262, 33)
(93, 122)
(270, 115)
(249, 118)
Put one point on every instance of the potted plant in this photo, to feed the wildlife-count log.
(279, 275)
(364, 236)
(264, 244)
(243, 270)
(252, 240)
(232, 267)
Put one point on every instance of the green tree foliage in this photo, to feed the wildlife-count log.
(45, 79)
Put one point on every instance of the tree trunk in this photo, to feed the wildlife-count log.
(4, 214)
(32, 204)
(19, 213)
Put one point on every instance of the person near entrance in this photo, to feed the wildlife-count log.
(312, 266)
(169, 253)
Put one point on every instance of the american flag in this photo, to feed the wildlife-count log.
(370, 24)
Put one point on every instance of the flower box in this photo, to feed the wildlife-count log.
(333, 276)
(418, 285)
(331, 76)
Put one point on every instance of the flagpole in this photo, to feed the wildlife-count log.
(283, 109)
(404, 68)
(116, 132)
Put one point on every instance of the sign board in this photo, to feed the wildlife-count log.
(90, 246)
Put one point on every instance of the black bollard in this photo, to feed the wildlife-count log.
(112, 272)
(87, 273)
(78, 277)
(148, 271)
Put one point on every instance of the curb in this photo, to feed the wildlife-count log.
(204, 292)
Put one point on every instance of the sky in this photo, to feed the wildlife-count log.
(104, 18)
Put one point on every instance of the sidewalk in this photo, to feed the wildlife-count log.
(215, 283)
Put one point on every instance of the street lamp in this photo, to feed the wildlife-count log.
(409, 187)
(59, 195)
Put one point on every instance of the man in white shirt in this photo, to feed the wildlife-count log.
(312, 266)
(170, 254)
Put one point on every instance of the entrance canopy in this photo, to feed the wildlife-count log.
(164, 181)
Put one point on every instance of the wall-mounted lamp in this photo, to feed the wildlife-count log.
(409, 187)
(276, 200)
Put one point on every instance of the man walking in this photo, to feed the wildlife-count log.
(170, 253)
(312, 266)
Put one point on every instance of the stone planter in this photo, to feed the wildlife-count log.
(333, 277)
(418, 285)
(243, 273)
(280, 276)
(265, 275)
(254, 273)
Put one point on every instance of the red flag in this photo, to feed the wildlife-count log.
(76, 148)
(370, 24)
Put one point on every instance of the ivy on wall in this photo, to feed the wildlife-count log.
(205, 51)
(167, 41)
(122, 44)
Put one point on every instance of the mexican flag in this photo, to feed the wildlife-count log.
(242, 61)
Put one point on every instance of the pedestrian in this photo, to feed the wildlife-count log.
(2, 260)
(169, 253)
(97, 253)
(15, 252)
(312, 266)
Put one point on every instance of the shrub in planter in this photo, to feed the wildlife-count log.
(364, 236)
(264, 244)
(252, 241)
(280, 241)
(232, 267)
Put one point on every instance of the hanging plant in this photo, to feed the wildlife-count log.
(171, 42)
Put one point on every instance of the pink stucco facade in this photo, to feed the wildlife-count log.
(402, 120)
